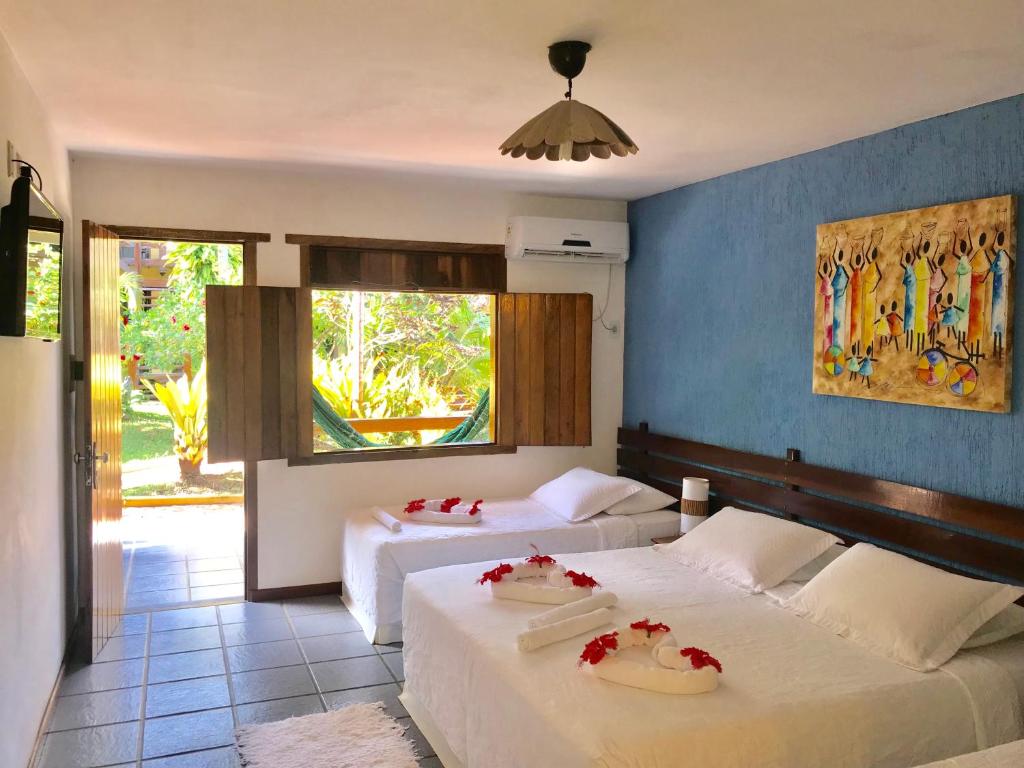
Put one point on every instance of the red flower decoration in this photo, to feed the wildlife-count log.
(581, 579)
(700, 659)
(540, 559)
(495, 575)
(476, 506)
(598, 648)
(136, 358)
(122, 358)
(186, 327)
(646, 625)
(416, 505)
(447, 504)
(124, 321)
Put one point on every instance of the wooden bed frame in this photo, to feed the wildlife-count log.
(957, 533)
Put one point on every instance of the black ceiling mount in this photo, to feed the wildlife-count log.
(568, 57)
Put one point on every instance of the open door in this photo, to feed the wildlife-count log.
(101, 578)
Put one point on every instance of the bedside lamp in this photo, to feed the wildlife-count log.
(693, 506)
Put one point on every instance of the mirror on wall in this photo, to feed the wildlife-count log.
(31, 238)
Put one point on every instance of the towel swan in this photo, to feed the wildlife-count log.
(560, 586)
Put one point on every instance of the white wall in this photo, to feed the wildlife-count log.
(301, 508)
(32, 632)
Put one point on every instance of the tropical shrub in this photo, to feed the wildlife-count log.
(185, 401)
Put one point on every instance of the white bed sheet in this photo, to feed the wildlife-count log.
(792, 694)
(1004, 756)
(375, 561)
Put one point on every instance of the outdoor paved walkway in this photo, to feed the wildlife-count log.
(182, 555)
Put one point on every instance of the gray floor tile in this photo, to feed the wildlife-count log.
(133, 624)
(330, 647)
(282, 653)
(280, 709)
(181, 640)
(156, 569)
(184, 618)
(324, 624)
(259, 631)
(219, 592)
(101, 708)
(385, 693)
(102, 677)
(265, 684)
(213, 564)
(157, 553)
(396, 665)
(214, 578)
(123, 647)
(388, 648)
(187, 696)
(91, 747)
(143, 600)
(430, 762)
(187, 733)
(350, 673)
(183, 666)
(154, 583)
(225, 757)
(305, 606)
(236, 612)
(413, 734)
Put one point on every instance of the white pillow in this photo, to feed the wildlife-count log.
(581, 493)
(647, 499)
(910, 612)
(1007, 623)
(817, 565)
(752, 550)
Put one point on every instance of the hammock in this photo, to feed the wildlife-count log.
(346, 436)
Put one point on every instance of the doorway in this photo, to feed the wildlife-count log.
(183, 525)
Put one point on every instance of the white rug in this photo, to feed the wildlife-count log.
(357, 736)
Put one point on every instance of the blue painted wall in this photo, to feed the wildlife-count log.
(720, 306)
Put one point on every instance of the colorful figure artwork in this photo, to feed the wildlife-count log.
(917, 306)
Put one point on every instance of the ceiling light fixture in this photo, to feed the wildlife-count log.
(569, 130)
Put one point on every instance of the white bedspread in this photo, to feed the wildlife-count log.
(792, 695)
(1004, 756)
(375, 561)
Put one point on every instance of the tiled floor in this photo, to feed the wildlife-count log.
(164, 567)
(169, 690)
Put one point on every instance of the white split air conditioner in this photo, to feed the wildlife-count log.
(571, 240)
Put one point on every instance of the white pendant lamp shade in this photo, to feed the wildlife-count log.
(569, 130)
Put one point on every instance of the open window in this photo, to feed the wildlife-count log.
(395, 350)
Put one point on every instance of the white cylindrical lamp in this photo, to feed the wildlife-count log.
(693, 506)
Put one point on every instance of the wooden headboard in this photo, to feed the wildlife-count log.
(961, 534)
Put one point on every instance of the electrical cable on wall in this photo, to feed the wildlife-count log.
(613, 328)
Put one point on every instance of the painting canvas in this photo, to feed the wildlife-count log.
(917, 306)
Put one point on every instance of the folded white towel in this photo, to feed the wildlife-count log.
(537, 593)
(389, 522)
(660, 679)
(443, 518)
(563, 612)
(532, 639)
(434, 505)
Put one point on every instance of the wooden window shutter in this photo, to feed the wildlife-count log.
(543, 368)
(259, 352)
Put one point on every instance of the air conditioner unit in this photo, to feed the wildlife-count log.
(571, 240)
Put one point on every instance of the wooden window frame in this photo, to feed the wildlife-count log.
(411, 247)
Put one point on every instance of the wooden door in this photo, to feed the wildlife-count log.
(99, 457)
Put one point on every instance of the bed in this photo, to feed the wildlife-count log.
(375, 561)
(1004, 756)
(793, 695)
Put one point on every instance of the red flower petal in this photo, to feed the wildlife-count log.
(447, 504)
(598, 648)
(495, 574)
(416, 505)
(646, 625)
(122, 358)
(186, 327)
(540, 559)
(581, 579)
(700, 658)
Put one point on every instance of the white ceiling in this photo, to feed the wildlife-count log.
(433, 86)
